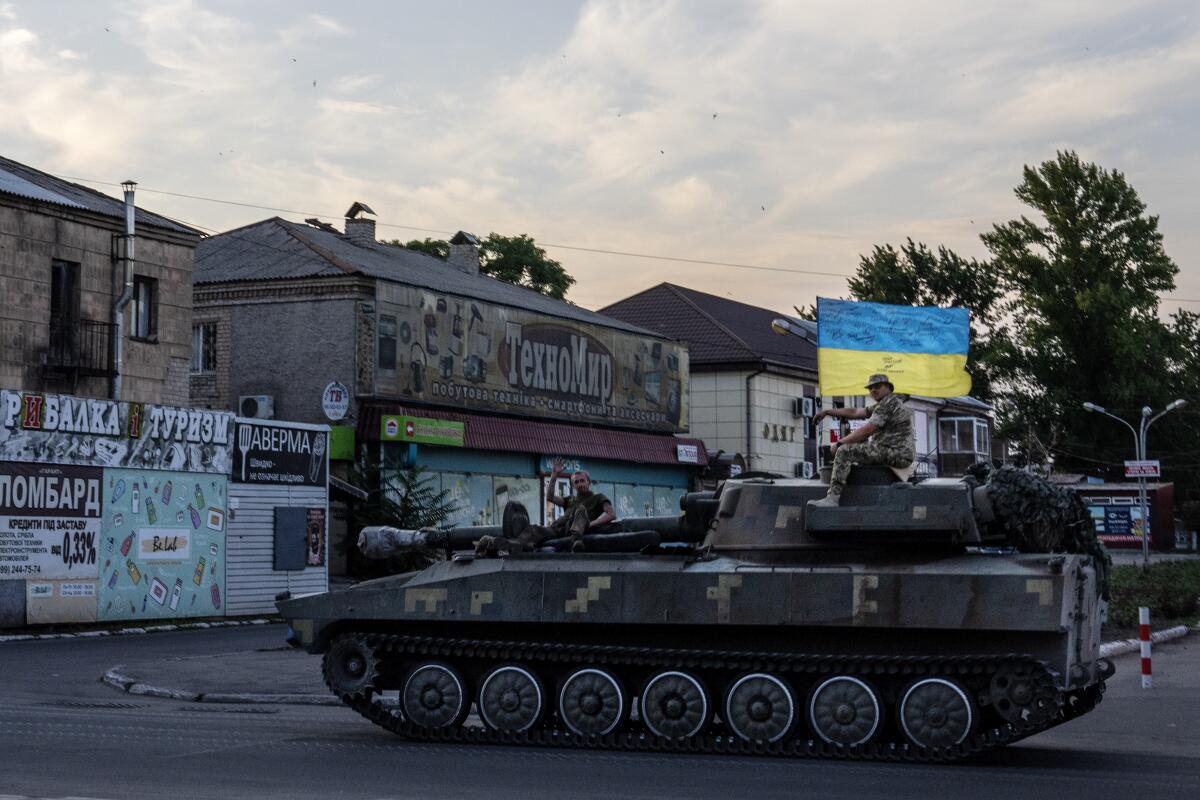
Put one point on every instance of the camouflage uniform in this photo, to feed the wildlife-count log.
(891, 445)
(579, 513)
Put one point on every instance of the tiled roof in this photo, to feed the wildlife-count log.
(21, 181)
(717, 330)
(482, 432)
(276, 248)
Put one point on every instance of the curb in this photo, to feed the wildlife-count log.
(182, 626)
(1123, 646)
(124, 683)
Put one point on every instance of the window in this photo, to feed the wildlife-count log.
(964, 435)
(64, 290)
(387, 342)
(204, 347)
(145, 308)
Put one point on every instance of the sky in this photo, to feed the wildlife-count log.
(788, 136)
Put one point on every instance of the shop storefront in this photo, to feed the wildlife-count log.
(111, 511)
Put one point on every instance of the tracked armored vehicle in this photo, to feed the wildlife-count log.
(919, 621)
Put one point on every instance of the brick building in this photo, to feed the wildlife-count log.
(63, 267)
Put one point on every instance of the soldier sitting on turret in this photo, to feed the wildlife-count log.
(587, 510)
(889, 426)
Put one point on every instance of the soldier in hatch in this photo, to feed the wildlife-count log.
(585, 511)
(890, 431)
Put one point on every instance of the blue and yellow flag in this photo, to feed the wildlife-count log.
(923, 350)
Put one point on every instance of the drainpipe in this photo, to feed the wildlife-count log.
(749, 412)
(126, 295)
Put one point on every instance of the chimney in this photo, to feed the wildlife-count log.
(360, 230)
(464, 253)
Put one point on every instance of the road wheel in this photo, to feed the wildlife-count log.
(844, 710)
(936, 712)
(434, 696)
(510, 699)
(674, 705)
(591, 702)
(760, 708)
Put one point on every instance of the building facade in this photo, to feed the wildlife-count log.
(64, 264)
(479, 382)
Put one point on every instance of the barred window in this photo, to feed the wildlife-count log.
(204, 347)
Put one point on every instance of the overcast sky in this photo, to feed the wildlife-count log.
(793, 135)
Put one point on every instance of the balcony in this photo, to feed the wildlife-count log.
(79, 348)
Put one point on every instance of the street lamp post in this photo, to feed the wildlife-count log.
(1139, 451)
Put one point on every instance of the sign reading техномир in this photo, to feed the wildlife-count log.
(1142, 469)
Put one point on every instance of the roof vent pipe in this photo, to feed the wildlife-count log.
(126, 257)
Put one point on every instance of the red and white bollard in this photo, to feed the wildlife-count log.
(1144, 631)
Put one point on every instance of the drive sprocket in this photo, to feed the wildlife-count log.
(351, 666)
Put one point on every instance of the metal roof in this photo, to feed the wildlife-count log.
(516, 435)
(278, 249)
(19, 180)
(717, 330)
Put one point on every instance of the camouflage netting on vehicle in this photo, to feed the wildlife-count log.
(1039, 517)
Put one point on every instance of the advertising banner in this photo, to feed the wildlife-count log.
(63, 429)
(50, 517)
(163, 553)
(468, 354)
(422, 430)
(279, 453)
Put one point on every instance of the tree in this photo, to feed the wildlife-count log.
(1082, 287)
(402, 498)
(915, 275)
(438, 248)
(514, 259)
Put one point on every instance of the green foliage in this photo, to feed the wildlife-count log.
(518, 259)
(1082, 284)
(915, 275)
(1065, 310)
(515, 259)
(402, 498)
(438, 248)
(1171, 590)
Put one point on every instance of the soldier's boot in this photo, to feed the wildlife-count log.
(487, 547)
(830, 500)
(577, 528)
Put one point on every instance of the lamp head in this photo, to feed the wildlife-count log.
(781, 326)
(1147, 411)
(1093, 407)
(1180, 403)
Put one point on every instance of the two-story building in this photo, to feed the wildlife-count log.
(480, 382)
(95, 295)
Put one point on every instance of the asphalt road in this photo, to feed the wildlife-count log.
(63, 733)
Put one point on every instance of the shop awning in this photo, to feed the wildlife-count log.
(347, 491)
(512, 435)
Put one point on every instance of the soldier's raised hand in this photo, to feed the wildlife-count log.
(556, 466)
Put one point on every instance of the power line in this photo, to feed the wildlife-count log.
(576, 248)
(599, 250)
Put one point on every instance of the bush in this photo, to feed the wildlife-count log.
(1171, 590)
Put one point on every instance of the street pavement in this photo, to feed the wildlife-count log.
(64, 732)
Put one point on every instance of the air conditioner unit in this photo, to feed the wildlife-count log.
(257, 406)
(797, 406)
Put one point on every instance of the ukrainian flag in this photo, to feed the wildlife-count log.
(923, 350)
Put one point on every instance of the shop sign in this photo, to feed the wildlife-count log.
(458, 352)
(687, 453)
(335, 400)
(421, 430)
(63, 429)
(50, 521)
(276, 453)
(1142, 469)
